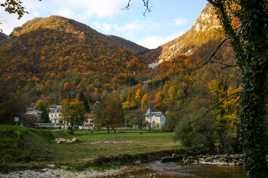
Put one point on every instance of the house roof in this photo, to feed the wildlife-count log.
(55, 108)
(33, 111)
(150, 113)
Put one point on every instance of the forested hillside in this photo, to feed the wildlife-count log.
(46, 52)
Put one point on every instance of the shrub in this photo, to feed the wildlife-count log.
(197, 133)
(22, 144)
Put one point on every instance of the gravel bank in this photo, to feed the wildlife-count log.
(61, 173)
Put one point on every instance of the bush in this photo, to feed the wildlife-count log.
(22, 144)
(170, 123)
(197, 133)
(201, 131)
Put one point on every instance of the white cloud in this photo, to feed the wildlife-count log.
(153, 42)
(180, 21)
(112, 28)
(9, 22)
(105, 27)
(127, 29)
(65, 13)
(81, 10)
(97, 8)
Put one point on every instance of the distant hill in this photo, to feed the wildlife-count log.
(57, 48)
(128, 45)
(3, 36)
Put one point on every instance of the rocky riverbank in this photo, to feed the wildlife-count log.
(155, 169)
(225, 159)
(127, 163)
(62, 173)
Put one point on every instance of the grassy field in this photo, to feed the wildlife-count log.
(39, 146)
(99, 144)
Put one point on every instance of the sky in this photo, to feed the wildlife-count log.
(167, 20)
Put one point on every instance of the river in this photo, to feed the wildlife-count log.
(173, 170)
(149, 170)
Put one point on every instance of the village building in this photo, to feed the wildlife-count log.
(89, 122)
(155, 119)
(55, 115)
(56, 118)
(31, 117)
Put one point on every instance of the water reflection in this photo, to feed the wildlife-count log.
(197, 171)
(173, 170)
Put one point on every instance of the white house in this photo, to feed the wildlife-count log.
(55, 115)
(33, 114)
(155, 119)
(89, 122)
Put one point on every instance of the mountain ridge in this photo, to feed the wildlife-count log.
(206, 31)
(71, 25)
(57, 48)
(128, 45)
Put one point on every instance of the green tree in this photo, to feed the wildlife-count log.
(170, 123)
(145, 102)
(73, 112)
(196, 133)
(13, 101)
(109, 112)
(226, 113)
(42, 106)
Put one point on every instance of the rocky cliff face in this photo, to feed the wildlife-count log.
(203, 36)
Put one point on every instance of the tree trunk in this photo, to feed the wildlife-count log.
(114, 130)
(252, 122)
(221, 135)
(71, 129)
(250, 43)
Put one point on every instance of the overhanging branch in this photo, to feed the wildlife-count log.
(146, 4)
(227, 24)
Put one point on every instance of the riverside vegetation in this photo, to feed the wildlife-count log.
(128, 153)
(34, 148)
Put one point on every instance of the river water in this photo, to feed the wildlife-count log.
(149, 170)
(173, 170)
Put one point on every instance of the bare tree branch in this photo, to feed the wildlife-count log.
(210, 58)
(214, 2)
(225, 65)
(146, 4)
(213, 54)
(229, 30)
